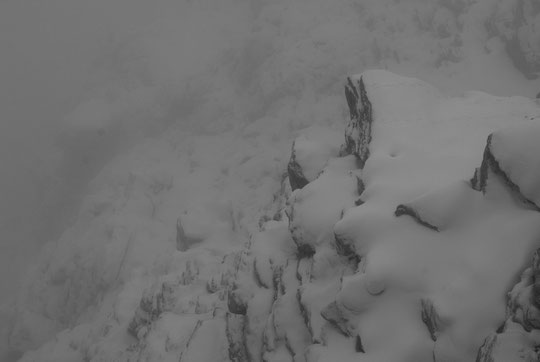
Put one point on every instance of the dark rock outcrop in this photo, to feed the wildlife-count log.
(407, 210)
(485, 353)
(431, 318)
(358, 132)
(304, 250)
(335, 316)
(183, 241)
(345, 247)
(235, 303)
(358, 345)
(294, 170)
(492, 166)
(151, 306)
(235, 325)
(536, 279)
(310, 152)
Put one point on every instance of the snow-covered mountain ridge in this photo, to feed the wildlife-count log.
(192, 232)
(391, 248)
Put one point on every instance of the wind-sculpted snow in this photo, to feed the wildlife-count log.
(195, 265)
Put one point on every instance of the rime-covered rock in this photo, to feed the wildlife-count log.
(151, 306)
(536, 279)
(183, 240)
(431, 318)
(358, 131)
(407, 210)
(235, 303)
(337, 316)
(236, 336)
(310, 153)
(295, 171)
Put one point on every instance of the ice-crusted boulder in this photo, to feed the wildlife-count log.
(516, 23)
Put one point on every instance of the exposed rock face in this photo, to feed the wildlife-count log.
(516, 23)
(346, 248)
(310, 152)
(236, 325)
(294, 170)
(336, 316)
(407, 210)
(536, 279)
(485, 354)
(358, 345)
(151, 307)
(431, 318)
(235, 303)
(358, 132)
(184, 241)
(509, 156)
